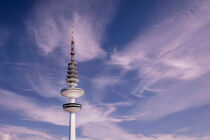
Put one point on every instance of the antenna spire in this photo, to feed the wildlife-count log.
(72, 46)
(72, 33)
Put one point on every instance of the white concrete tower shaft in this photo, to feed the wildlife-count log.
(72, 123)
(72, 126)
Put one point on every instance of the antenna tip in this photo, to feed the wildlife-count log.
(72, 33)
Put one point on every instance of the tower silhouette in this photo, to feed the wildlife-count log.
(72, 92)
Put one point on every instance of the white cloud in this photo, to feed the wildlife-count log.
(5, 136)
(174, 137)
(105, 131)
(3, 36)
(172, 58)
(177, 98)
(52, 26)
(110, 131)
(101, 82)
(45, 83)
(10, 132)
(32, 110)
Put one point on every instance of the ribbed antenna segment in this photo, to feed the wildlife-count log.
(72, 74)
(72, 46)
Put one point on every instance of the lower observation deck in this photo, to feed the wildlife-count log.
(72, 107)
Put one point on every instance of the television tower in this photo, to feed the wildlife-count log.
(72, 92)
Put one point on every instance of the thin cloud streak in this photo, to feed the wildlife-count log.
(31, 110)
(46, 84)
(10, 132)
(3, 36)
(102, 82)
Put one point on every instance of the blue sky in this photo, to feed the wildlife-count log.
(144, 65)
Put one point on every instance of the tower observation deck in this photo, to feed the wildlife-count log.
(72, 92)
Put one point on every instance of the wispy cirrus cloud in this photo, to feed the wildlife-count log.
(174, 137)
(51, 26)
(183, 38)
(45, 83)
(3, 36)
(106, 130)
(32, 110)
(101, 82)
(10, 132)
(113, 132)
(171, 58)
